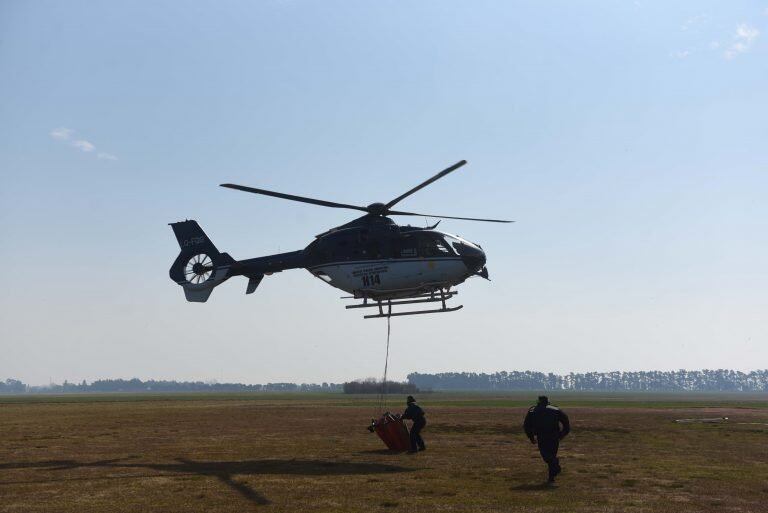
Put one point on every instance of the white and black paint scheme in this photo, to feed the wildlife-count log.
(371, 258)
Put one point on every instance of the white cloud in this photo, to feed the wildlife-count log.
(61, 134)
(682, 54)
(747, 33)
(83, 145)
(742, 41)
(66, 135)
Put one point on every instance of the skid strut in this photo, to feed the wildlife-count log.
(385, 305)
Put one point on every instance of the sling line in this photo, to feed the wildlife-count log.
(383, 395)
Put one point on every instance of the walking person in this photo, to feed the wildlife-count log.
(545, 425)
(414, 412)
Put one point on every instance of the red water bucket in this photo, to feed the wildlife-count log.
(392, 432)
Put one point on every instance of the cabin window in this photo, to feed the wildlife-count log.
(405, 247)
(373, 250)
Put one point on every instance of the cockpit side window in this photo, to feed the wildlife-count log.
(431, 246)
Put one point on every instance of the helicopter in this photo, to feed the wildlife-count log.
(372, 258)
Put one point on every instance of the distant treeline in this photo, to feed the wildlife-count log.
(13, 386)
(720, 380)
(370, 386)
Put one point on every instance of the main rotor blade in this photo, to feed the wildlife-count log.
(424, 184)
(396, 213)
(291, 197)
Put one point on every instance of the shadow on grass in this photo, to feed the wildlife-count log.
(224, 471)
(381, 451)
(534, 487)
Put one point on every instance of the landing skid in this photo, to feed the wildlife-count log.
(385, 305)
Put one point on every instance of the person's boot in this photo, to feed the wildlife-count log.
(552, 474)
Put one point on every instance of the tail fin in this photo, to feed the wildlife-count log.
(199, 267)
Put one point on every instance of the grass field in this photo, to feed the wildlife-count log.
(311, 452)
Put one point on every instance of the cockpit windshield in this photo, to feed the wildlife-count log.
(455, 242)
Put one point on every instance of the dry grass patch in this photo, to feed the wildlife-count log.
(313, 454)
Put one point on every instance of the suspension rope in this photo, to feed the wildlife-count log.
(383, 395)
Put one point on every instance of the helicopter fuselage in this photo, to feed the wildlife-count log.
(387, 261)
(373, 257)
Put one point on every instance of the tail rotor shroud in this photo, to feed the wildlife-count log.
(199, 269)
(200, 266)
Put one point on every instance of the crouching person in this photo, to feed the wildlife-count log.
(414, 412)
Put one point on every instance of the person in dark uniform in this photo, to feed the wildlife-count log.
(543, 427)
(414, 412)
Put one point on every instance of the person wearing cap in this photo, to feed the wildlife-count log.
(414, 412)
(546, 425)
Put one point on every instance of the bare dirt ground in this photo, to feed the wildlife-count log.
(307, 453)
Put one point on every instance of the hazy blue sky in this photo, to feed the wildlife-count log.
(628, 139)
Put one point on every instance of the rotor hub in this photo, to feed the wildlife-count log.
(377, 209)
